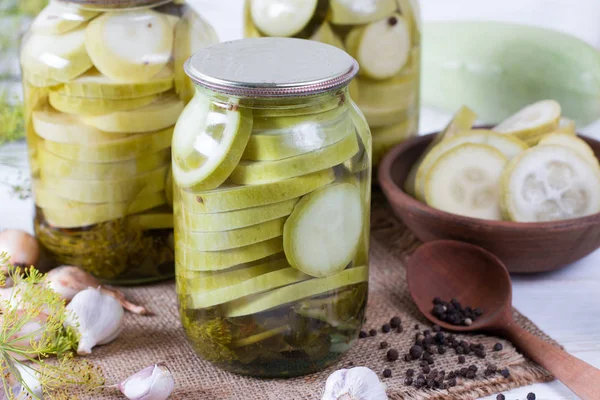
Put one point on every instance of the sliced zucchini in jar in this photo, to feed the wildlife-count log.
(322, 235)
(130, 46)
(220, 260)
(466, 181)
(258, 172)
(94, 85)
(382, 48)
(225, 221)
(231, 239)
(158, 115)
(289, 294)
(208, 143)
(509, 146)
(160, 218)
(566, 125)
(98, 106)
(287, 18)
(326, 35)
(572, 142)
(535, 119)
(549, 183)
(56, 57)
(359, 12)
(169, 187)
(127, 148)
(39, 81)
(397, 93)
(57, 18)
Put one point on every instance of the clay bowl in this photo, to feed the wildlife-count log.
(523, 247)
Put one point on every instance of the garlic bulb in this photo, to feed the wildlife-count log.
(67, 281)
(153, 383)
(358, 383)
(97, 316)
(22, 248)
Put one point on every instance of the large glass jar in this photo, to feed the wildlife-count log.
(272, 175)
(383, 35)
(104, 85)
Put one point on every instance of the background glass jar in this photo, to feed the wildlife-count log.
(383, 35)
(104, 85)
(272, 175)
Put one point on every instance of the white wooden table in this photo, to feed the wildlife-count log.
(565, 304)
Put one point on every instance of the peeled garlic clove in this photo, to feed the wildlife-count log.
(358, 383)
(22, 248)
(97, 316)
(68, 280)
(153, 383)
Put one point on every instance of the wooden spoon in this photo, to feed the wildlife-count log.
(450, 269)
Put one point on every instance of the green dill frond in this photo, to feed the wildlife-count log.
(12, 119)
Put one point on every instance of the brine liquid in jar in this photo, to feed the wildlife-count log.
(104, 85)
(272, 178)
(384, 36)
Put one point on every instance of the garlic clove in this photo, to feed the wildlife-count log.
(97, 316)
(358, 383)
(152, 383)
(68, 280)
(22, 248)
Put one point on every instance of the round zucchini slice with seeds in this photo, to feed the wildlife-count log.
(287, 18)
(537, 118)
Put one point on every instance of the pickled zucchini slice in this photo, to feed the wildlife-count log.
(466, 181)
(191, 34)
(259, 284)
(273, 139)
(94, 85)
(107, 191)
(289, 294)
(286, 18)
(130, 46)
(155, 116)
(153, 219)
(55, 166)
(377, 117)
(67, 128)
(64, 213)
(393, 94)
(57, 18)
(566, 125)
(225, 240)
(39, 81)
(259, 172)
(220, 260)
(127, 148)
(208, 143)
(572, 142)
(99, 106)
(462, 121)
(236, 219)
(382, 48)
(169, 187)
(508, 145)
(353, 12)
(228, 198)
(56, 57)
(549, 183)
(323, 233)
(537, 118)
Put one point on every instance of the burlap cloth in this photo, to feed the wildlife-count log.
(147, 340)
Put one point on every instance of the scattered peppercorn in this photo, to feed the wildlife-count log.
(498, 347)
(386, 328)
(453, 312)
(417, 327)
(441, 350)
(408, 381)
(416, 352)
(452, 382)
(425, 369)
(362, 335)
(387, 373)
(392, 355)
(372, 332)
(400, 329)
(471, 374)
(501, 397)
(531, 396)
(383, 345)
(462, 359)
(395, 322)
(505, 373)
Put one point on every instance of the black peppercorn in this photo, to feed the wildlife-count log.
(425, 369)
(383, 345)
(372, 332)
(531, 396)
(473, 368)
(505, 373)
(501, 397)
(392, 355)
(471, 374)
(395, 322)
(452, 382)
(410, 372)
(362, 335)
(416, 352)
(387, 373)
(386, 328)
(462, 359)
(408, 381)
(498, 347)
(441, 350)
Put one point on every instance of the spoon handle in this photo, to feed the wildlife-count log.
(579, 376)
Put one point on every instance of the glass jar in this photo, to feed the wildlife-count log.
(104, 85)
(272, 175)
(383, 35)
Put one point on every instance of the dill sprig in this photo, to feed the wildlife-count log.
(12, 118)
(33, 338)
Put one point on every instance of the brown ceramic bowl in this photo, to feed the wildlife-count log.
(523, 247)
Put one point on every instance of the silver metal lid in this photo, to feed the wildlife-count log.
(271, 67)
